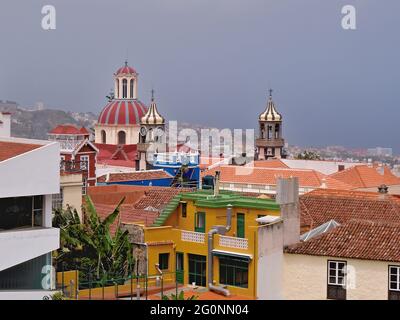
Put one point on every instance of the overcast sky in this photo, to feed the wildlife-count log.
(212, 61)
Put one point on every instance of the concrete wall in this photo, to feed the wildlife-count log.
(305, 277)
(71, 185)
(23, 245)
(270, 261)
(25, 295)
(36, 172)
(326, 167)
(5, 125)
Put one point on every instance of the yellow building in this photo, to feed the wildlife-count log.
(209, 240)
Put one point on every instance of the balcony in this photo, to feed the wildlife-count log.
(270, 142)
(191, 236)
(20, 245)
(73, 166)
(234, 242)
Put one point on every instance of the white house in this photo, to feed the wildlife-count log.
(29, 176)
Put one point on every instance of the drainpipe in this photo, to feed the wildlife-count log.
(217, 230)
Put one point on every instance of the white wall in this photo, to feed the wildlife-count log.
(5, 125)
(270, 261)
(25, 295)
(305, 277)
(36, 172)
(325, 167)
(23, 245)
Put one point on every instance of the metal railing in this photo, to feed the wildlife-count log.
(134, 287)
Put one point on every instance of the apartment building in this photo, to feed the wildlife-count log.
(29, 176)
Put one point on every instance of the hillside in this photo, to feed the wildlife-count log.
(37, 123)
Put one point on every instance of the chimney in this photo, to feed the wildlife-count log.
(383, 190)
(216, 183)
(288, 198)
(5, 124)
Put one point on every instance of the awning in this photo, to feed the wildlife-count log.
(230, 254)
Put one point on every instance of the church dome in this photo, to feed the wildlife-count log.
(270, 113)
(122, 112)
(152, 116)
(125, 70)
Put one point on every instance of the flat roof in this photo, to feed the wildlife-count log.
(206, 198)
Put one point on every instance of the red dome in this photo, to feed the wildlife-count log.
(122, 112)
(126, 70)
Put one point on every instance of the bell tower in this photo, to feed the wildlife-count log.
(270, 142)
(151, 134)
(125, 83)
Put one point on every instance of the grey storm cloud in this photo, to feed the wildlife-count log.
(212, 62)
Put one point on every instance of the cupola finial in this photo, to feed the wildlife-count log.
(270, 92)
(152, 94)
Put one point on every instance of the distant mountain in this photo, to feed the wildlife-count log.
(35, 124)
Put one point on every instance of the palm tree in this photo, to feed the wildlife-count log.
(93, 244)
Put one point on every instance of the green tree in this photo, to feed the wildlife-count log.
(90, 246)
(180, 296)
(308, 155)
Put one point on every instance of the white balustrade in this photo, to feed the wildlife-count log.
(191, 236)
(233, 242)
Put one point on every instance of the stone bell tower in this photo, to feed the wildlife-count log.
(270, 142)
(151, 135)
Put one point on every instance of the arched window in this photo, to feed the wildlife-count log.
(131, 88)
(117, 88)
(277, 131)
(103, 136)
(121, 137)
(269, 133)
(124, 89)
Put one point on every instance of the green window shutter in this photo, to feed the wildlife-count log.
(240, 225)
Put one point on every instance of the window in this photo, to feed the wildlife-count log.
(103, 136)
(240, 222)
(84, 186)
(163, 261)
(124, 89)
(184, 209)
(277, 131)
(84, 162)
(121, 137)
(57, 200)
(336, 280)
(197, 269)
(131, 88)
(269, 133)
(200, 222)
(394, 283)
(233, 272)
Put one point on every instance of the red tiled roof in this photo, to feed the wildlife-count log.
(142, 204)
(115, 155)
(272, 163)
(84, 130)
(128, 214)
(12, 149)
(269, 176)
(68, 129)
(322, 205)
(135, 176)
(356, 239)
(158, 198)
(364, 176)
